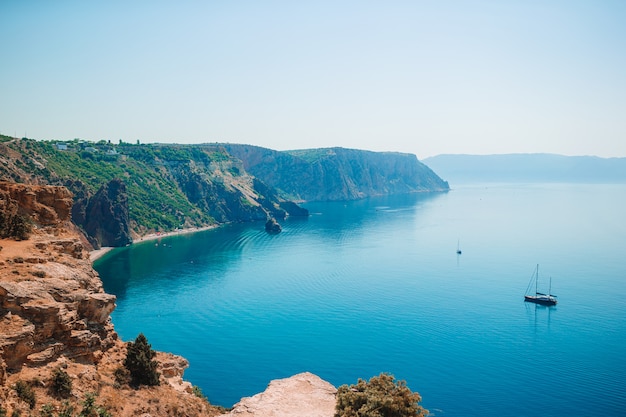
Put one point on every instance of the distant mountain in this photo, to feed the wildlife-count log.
(337, 174)
(528, 168)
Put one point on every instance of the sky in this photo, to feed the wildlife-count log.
(426, 77)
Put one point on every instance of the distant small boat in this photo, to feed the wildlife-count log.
(539, 297)
(458, 248)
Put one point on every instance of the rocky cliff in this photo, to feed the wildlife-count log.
(126, 190)
(123, 191)
(55, 315)
(337, 173)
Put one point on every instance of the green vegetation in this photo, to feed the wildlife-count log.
(382, 396)
(61, 385)
(140, 364)
(14, 226)
(156, 200)
(311, 155)
(67, 410)
(90, 409)
(47, 410)
(25, 393)
(122, 377)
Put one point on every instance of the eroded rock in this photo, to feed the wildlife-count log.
(303, 394)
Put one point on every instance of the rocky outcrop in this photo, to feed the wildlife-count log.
(225, 202)
(55, 314)
(45, 205)
(272, 226)
(303, 394)
(337, 173)
(51, 300)
(107, 221)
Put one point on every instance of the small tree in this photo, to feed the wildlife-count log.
(61, 383)
(25, 393)
(382, 396)
(140, 364)
(90, 409)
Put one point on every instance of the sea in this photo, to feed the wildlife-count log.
(376, 286)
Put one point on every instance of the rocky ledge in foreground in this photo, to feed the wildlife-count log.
(304, 394)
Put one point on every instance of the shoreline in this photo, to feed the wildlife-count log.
(99, 253)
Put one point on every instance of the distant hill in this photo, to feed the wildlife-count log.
(337, 174)
(528, 168)
(125, 190)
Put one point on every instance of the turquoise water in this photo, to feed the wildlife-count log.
(375, 286)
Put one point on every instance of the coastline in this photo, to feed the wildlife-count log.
(98, 253)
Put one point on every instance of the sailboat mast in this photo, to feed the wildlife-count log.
(537, 280)
(550, 287)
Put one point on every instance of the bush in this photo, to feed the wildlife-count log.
(61, 383)
(67, 410)
(90, 409)
(47, 411)
(25, 393)
(382, 396)
(140, 364)
(122, 377)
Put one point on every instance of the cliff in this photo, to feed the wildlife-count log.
(123, 191)
(337, 174)
(55, 315)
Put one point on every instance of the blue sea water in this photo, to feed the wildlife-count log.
(373, 286)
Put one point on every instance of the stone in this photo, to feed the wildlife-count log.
(272, 226)
(303, 394)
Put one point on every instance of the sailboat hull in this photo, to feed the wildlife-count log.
(540, 299)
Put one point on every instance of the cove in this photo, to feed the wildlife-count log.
(372, 286)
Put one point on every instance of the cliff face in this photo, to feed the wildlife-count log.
(123, 191)
(107, 222)
(55, 314)
(337, 173)
(129, 190)
(45, 205)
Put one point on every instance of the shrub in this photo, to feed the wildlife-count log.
(382, 396)
(122, 376)
(61, 383)
(25, 393)
(47, 411)
(198, 393)
(3, 412)
(39, 274)
(140, 364)
(90, 409)
(67, 410)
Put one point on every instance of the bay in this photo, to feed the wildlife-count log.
(370, 286)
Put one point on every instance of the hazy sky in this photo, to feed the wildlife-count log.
(425, 77)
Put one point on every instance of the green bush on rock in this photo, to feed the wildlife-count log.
(382, 396)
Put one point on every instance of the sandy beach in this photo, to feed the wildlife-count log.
(98, 253)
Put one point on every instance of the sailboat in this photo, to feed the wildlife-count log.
(458, 248)
(539, 297)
